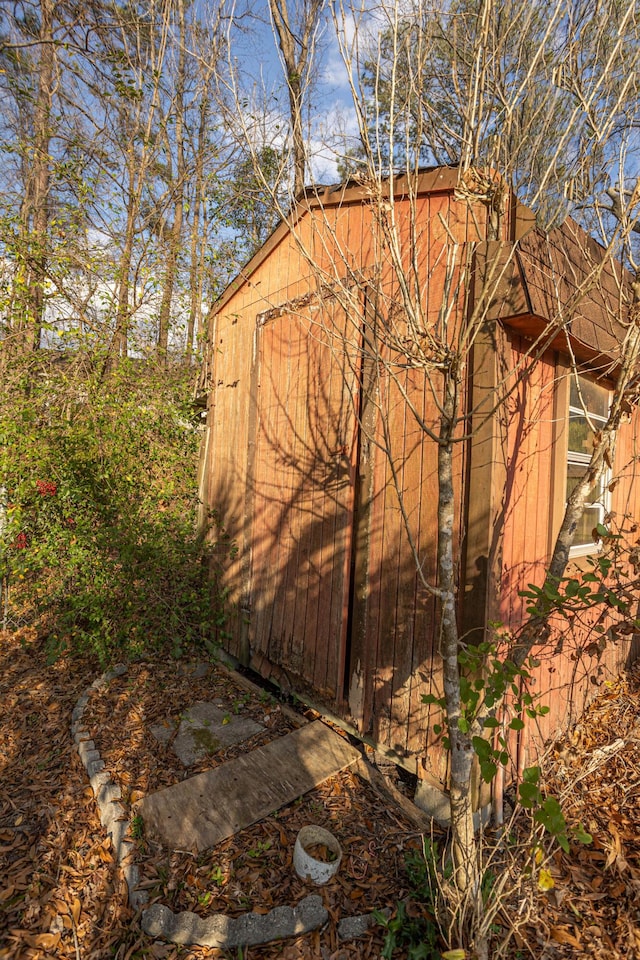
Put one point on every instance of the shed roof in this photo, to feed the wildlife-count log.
(562, 280)
(562, 285)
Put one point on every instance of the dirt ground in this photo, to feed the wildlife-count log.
(62, 896)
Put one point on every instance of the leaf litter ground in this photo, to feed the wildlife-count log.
(62, 896)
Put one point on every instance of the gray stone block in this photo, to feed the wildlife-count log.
(350, 928)
(186, 928)
(127, 850)
(117, 829)
(221, 931)
(88, 752)
(138, 899)
(95, 766)
(99, 779)
(435, 803)
(108, 792)
(110, 812)
(132, 875)
(205, 729)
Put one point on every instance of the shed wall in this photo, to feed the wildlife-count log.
(388, 660)
(314, 453)
(574, 664)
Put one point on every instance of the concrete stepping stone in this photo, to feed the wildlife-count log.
(204, 729)
(200, 812)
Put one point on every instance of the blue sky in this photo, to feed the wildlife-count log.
(330, 104)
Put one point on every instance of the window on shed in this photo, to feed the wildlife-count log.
(588, 411)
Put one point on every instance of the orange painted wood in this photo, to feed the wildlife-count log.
(303, 498)
(288, 502)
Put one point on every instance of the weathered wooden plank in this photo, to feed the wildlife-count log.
(269, 504)
(361, 649)
(260, 543)
(422, 664)
(378, 518)
(200, 812)
(408, 437)
(312, 573)
(304, 458)
(318, 631)
(344, 392)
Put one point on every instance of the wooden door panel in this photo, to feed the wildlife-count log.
(302, 493)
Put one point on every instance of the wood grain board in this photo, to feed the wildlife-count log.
(200, 812)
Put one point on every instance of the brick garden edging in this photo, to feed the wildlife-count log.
(187, 928)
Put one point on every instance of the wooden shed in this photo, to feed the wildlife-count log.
(318, 462)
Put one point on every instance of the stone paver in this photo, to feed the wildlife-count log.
(206, 728)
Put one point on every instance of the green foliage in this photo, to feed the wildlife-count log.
(485, 682)
(547, 811)
(599, 585)
(415, 935)
(100, 472)
(244, 204)
(412, 928)
(137, 828)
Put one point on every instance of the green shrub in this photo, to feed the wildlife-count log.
(99, 473)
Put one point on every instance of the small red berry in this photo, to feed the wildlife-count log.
(46, 488)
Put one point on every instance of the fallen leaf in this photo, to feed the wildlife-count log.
(562, 934)
(545, 881)
(75, 911)
(45, 940)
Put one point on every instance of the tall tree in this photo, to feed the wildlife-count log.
(177, 184)
(295, 32)
(535, 98)
(27, 297)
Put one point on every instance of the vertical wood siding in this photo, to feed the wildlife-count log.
(322, 578)
(571, 669)
(302, 495)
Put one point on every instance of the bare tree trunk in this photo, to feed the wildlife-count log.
(461, 749)
(137, 122)
(120, 342)
(35, 211)
(295, 42)
(177, 196)
(197, 242)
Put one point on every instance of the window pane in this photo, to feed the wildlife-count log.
(589, 520)
(574, 472)
(595, 398)
(580, 435)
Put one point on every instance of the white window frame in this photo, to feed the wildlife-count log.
(576, 458)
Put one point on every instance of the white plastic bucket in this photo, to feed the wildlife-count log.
(305, 865)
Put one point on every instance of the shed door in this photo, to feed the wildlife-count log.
(301, 493)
